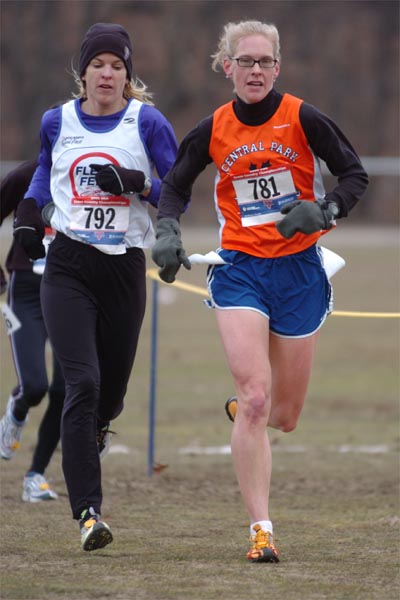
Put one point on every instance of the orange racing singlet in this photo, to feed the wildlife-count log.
(260, 169)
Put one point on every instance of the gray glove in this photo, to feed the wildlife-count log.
(168, 252)
(306, 217)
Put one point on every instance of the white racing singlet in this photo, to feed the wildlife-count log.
(83, 211)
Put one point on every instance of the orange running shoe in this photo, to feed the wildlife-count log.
(231, 407)
(263, 549)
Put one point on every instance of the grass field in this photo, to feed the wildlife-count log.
(182, 534)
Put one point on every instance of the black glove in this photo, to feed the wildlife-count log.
(168, 252)
(306, 217)
(118, 180)
(29, 228)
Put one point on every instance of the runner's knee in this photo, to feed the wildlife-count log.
(34, 392)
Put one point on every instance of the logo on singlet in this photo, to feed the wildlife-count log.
(72, 140)
(237, 153)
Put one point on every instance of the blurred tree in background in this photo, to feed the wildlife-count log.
(340, 55)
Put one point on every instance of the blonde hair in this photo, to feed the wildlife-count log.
(135, 88)
(233, 32)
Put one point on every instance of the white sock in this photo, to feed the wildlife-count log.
(265, 526)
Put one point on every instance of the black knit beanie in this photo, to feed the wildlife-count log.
(106, 37)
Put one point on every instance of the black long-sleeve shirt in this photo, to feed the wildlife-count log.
(13, 188)
(325, 139)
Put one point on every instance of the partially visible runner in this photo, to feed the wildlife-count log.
(272, 294)
(97, 161)
(28, 345)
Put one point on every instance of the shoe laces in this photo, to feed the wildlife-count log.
(39, 481)
(102, 433)
(12, 432)
(262, 539)
(88, 518)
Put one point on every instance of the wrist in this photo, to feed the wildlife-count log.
(334, 209)
(146, 187)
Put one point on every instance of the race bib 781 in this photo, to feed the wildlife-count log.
(261, 194)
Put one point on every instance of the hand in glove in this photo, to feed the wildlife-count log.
(306, 217)
(168, 252)
(29, 228)
(118, 180)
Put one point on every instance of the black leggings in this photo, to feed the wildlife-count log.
(29, 353)
(93, 304)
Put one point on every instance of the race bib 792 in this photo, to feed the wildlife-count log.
(100, 220)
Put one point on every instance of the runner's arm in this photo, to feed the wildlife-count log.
(329, 143)
(193, 157)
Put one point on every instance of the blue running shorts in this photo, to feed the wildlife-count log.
(293, 291)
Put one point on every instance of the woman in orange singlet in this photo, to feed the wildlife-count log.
(271, 293)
